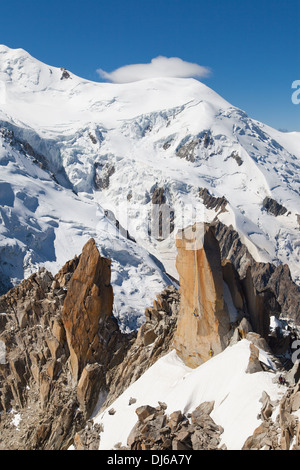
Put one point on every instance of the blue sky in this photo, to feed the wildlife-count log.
(252, 47)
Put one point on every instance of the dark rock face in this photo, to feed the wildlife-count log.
(103, 173)
(273, 283)
(188, 148)
(88, 301)
(65, 74)
(273, 207)
(232, 248)
(211, 202)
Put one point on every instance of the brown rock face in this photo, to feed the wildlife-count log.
(265, 276)
(89, 299)
(203, 323)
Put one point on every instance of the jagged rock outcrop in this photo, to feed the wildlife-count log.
(61, 347)
(233, 281)
(236, 157)
(189, 148)
(257, 304)
(254, 364)
(103, 173)
(232, 248)
(204, 321)
(89, 300)
(65, 74)
(293, 374)
(34, 378)
(96, 345)
(158, 196)
(211, 202)
(275, 283)
(155, 430)
(282, 432)
(24, 147)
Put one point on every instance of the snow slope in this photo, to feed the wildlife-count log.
(222, 379)
(112, 145)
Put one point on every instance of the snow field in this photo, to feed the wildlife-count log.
(222, 379)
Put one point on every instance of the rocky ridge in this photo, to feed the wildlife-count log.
(281, 430)
(63, 356)
(266, 277)
(154, 430)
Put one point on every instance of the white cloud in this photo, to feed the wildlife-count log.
(158, 67)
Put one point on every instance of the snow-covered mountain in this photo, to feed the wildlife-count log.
(80, 159)
(222, 379)
(77, 155)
